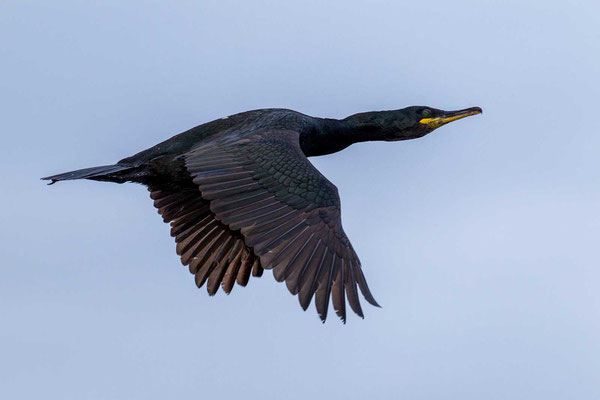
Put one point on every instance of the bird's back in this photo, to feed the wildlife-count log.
(275, 118)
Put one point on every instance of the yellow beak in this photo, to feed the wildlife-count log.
(450, 116)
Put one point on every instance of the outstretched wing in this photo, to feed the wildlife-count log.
(261, 185)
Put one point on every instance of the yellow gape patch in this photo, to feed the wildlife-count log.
(432, 122)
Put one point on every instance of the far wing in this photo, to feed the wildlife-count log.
(215, 255)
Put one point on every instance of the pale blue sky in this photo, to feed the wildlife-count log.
(481, 241)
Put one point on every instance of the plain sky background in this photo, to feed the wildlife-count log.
(481, 241)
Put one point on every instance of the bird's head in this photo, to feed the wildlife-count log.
(407, 123)
(417, 121)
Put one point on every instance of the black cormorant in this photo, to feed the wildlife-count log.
(241, 196)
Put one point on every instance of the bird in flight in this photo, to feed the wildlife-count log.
(241, 196)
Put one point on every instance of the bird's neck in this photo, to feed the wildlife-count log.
(332, 135)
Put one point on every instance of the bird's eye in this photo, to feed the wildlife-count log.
(426, 113)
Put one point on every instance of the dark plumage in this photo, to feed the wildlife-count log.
(241, 196)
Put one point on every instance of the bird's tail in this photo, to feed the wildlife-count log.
(112, 173)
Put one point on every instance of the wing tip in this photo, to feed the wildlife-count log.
(373, 302)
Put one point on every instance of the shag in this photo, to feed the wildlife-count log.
(241, 197)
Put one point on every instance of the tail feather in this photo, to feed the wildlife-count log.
(86, 173)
